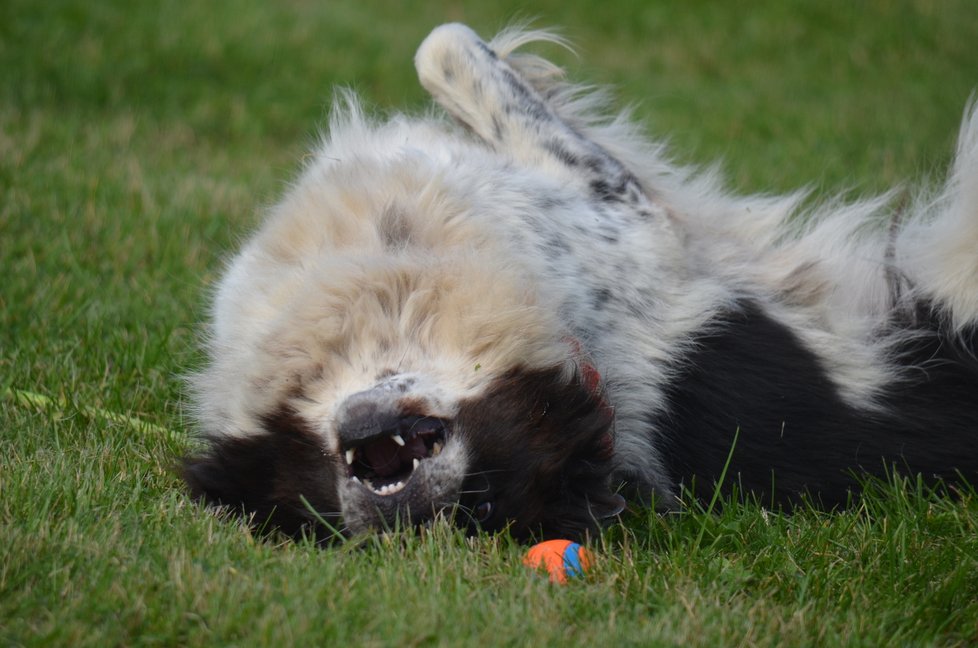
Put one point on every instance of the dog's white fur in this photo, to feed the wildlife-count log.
(445, 254)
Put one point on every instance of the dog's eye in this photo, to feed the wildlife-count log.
(482, 511)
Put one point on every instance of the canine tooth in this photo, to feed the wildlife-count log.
(349, 455)
(436, 449)
(356, 479)
(416, 463)
(397, 439)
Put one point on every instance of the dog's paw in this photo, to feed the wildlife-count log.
(447, 57)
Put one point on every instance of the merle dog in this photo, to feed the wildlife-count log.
(513, 319)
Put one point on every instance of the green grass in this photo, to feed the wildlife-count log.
(138, 143)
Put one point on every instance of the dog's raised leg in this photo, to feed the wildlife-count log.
(488, 95)
(522, 121)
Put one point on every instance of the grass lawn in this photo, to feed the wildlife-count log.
(138, 144)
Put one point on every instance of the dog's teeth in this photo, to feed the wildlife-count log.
(436, 449)
(356, 479)
(416, 463)
(386, 489)
(350, 455)
(397, 439)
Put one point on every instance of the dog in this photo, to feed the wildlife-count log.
(516, 317)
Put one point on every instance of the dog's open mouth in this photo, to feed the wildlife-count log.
(385, 462)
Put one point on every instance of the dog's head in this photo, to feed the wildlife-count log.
(530, 454)
(405, 375)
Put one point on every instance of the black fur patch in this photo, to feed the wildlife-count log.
(750, 376)
(540, 453)
(264, 478)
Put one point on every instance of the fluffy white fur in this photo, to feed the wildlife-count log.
(418, 246)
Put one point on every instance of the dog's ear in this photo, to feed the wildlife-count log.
(238, 482)
(212, 480)
(206, 479)
(236, 473)
(270, 479)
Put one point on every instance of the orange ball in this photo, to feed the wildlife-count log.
(561, 559)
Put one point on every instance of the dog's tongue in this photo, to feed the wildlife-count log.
(387, 457)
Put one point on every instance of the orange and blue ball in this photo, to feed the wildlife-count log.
(562, 559)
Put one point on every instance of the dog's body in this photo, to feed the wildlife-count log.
(511, 320)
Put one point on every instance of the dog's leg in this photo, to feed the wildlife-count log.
(488, 95)
(498, 99)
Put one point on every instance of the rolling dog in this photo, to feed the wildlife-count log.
(517, 316)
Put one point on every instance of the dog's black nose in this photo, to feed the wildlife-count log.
(366, 415)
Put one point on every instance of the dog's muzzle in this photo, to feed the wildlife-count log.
(401, 468)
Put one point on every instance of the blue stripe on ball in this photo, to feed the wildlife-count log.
(572, 560)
